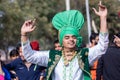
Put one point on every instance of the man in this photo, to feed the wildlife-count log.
(35, 46)
(4, 73)
(14, 54)
(94, 38)
(57, 45)
(71, 63)
(109, 64)
(25, 70)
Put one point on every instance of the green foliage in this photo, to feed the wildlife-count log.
(17, 11)
(113, 19)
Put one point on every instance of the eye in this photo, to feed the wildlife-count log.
(74, 37)
(66, 37)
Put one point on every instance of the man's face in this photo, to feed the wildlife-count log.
(117, 41)
(96, 39)
(69, 41)
(13, 57)
(21, 53)
(57, 46)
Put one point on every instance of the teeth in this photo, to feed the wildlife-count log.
(71, 43)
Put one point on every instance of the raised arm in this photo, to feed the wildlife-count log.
(96, 51)
(103, 16)
(27, 27)
(36, 57)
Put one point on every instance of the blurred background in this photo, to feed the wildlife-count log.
(13, 13)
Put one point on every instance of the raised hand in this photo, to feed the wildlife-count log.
(116, 39)
(102, 12)
(28, 27)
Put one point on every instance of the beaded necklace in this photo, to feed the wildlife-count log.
(65, 60)
(67, 67)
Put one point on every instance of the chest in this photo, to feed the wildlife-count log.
(29, 68)
(68, 72)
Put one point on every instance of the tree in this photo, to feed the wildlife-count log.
(17, 11)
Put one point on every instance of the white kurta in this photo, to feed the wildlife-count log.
(73, 71)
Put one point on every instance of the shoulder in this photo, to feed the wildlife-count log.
(112, 50)
(16, 61)
(7, 73)
(84, 51)
(55, 52)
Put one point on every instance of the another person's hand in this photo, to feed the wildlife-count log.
(102, 12)
(117, 40)
(15, 79)
(28, 27)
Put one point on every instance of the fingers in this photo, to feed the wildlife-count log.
(34, 20)
(116, 38)
(101, 6)
(33, 28)
(95, 10)
(29, 23)
(100, 3)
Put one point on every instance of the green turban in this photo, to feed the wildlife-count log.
(69, 22)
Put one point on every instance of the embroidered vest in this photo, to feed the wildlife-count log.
(82, 55)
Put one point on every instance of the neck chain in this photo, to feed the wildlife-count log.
(68, 57)
(67, 69)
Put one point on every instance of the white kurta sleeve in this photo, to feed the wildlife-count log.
(36, 57)
(96, 51)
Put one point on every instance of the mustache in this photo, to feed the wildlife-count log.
(69, 54)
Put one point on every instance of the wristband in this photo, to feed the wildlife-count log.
(23, 34)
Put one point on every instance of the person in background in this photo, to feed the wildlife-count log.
(14, 54)
(108, 67)
(94, 38)
(25, 70)
(57, 45)
(4, 73)
(72, 62)
(35, 46)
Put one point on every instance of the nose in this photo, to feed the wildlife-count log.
(72, 38)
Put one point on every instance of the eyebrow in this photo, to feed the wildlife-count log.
(70, 35)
